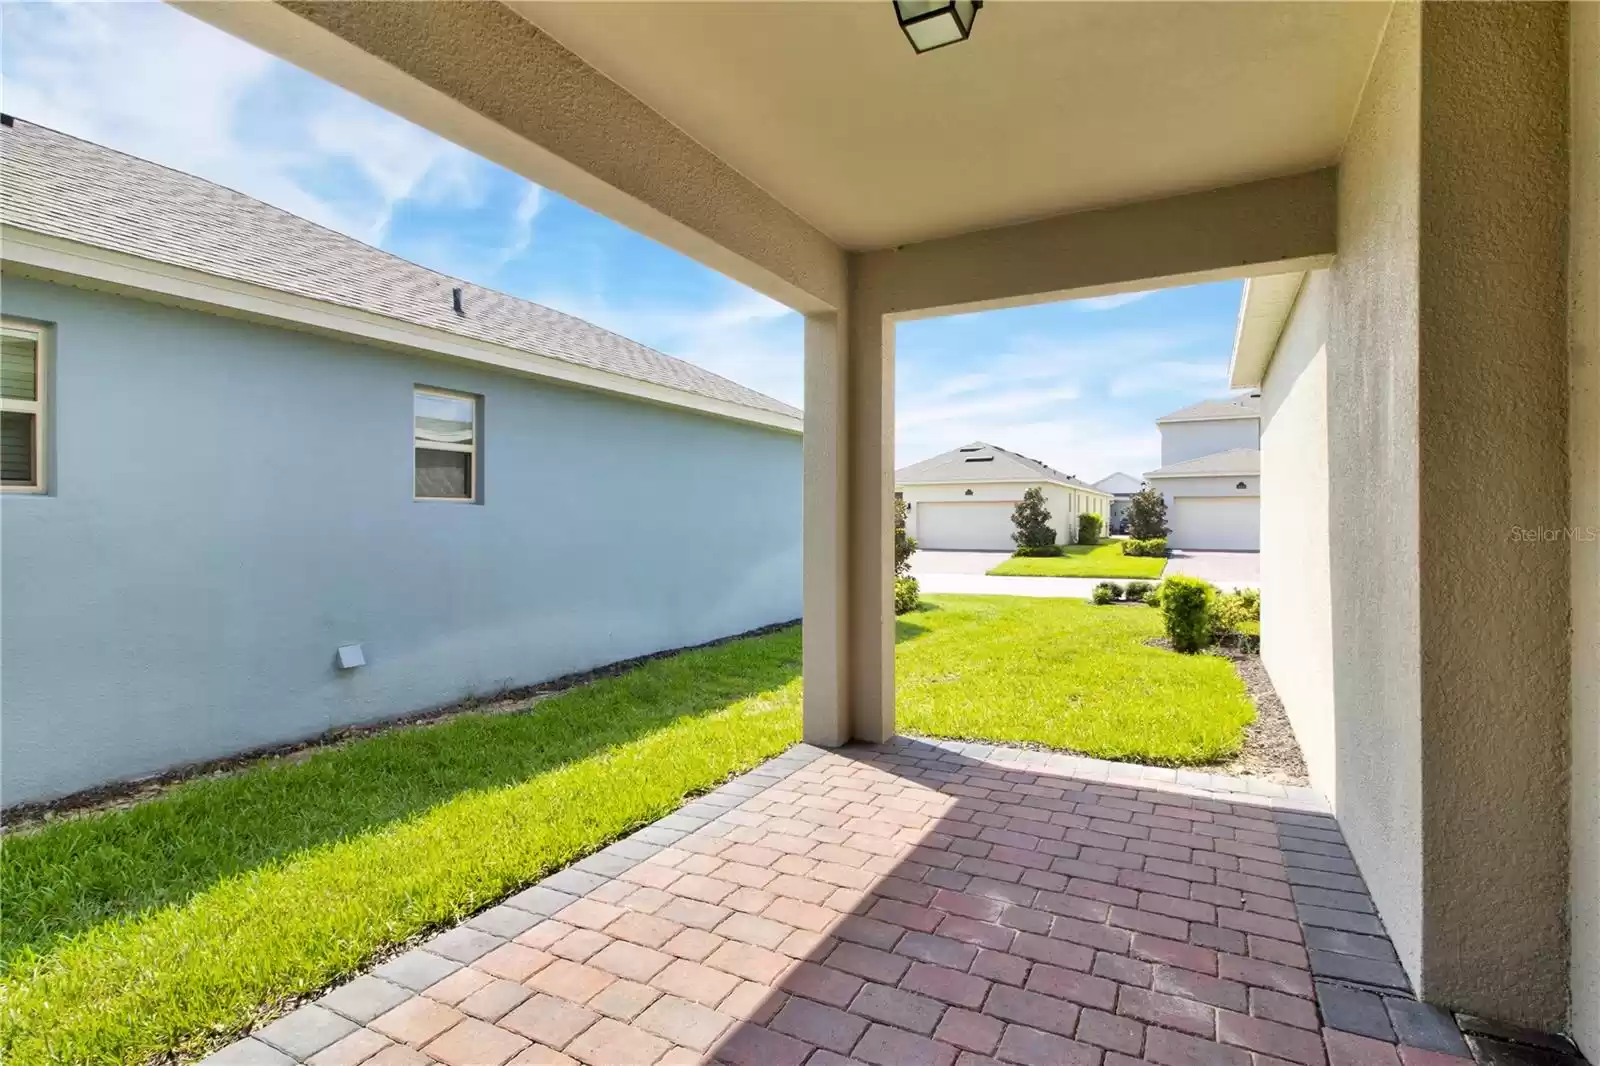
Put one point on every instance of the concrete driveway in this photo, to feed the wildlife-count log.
(964, 572)
(1226, 570)
(947, 571)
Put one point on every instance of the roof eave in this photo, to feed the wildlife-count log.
(30, 254)
(1264, 311)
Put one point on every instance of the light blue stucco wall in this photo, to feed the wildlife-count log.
(230, 502)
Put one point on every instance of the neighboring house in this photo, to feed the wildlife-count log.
(963, 500)
(236, 442)
(1210, 474)
(1122, 488)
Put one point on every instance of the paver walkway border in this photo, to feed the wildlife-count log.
(919, 902)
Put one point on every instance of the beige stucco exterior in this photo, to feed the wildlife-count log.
(1064, 502)
(1583, 444)
(1450, 689)
(1297, 618)
(1492, 410)
(1372, 389)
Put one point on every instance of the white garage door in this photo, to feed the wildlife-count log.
(965, 526)
(1216, 523)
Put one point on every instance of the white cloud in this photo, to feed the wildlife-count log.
(1203, 378)
(744, 336)
(147, 79)
(527, 210)
(1107, 303)
(1013, 403)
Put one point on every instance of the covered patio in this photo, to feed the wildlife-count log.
(915, 902)
(1439, 161)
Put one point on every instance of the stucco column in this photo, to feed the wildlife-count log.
(849, 555)
(826, 718)
(1492, 407)
(871, 523)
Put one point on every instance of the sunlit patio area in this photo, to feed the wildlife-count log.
(914, 902)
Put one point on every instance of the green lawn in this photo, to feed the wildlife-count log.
(168, 927)
(1065, 674)
(1083, 560)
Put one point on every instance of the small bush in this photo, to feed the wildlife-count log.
(1042, 550)
(906, 594)
(1152, 548)
(1136, 591)
(1106, 592)
(1153, 597)
(1186, 612)
(1031, 519)
(1236, 618)
(1089, 527)
(904, 546)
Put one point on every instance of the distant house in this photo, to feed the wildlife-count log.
(243, 454)
(1122, 488)
(1210, 474)
(963, 499)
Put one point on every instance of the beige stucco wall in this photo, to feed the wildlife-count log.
(1492, 402)
(1372, 412)
(1584, 451)
(1058, 500)
(1297, 618)
(1447, 366)
(1182, 441)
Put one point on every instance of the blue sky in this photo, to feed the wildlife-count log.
(1076, 384)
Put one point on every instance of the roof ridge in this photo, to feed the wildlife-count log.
(346, 254)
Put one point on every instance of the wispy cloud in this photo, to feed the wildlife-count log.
(1203, 377)
(151, 81)
(1108, 303)
(522, 217)
(742, 335)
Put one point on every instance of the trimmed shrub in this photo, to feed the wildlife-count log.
(1186, 612)
(1032, 521)
(1047, 550)
(1147, 515)
(1089, 527)
(1154, 548)
(1136, 591)
(1235, 617)
(904, 546)
(1105, 592)
(1153, 597)
(906, 594)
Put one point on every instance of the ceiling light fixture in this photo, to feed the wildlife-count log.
(931, 24)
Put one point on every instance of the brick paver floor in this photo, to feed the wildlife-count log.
(915, 903)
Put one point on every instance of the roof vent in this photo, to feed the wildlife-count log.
(974, 448)
(980, 458)
(455, 300)
(7, 120)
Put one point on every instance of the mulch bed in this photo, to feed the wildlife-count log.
(1270, 749)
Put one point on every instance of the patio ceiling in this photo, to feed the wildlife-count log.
(1049, 108)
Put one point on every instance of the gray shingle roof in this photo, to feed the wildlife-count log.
(1231, 407)
(64, 187)
(1223, 464)
(981, 462)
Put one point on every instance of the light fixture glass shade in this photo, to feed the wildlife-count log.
(930, 24)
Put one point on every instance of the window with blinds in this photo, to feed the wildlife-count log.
(445, 444)
(22, 410)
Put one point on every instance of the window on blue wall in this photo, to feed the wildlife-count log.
(445, 444)
(22, 407)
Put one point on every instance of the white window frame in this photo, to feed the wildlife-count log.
(38, 407)
(436, 446)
